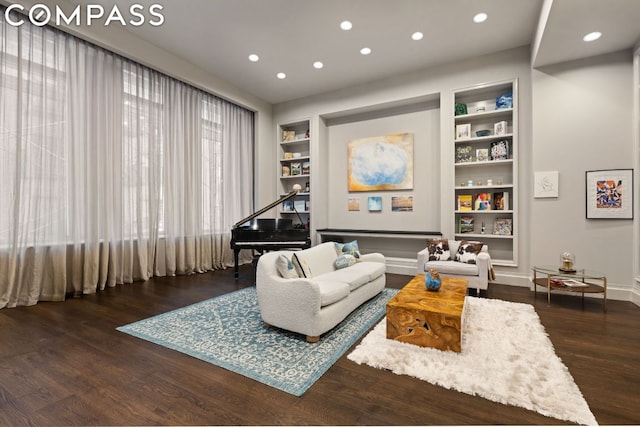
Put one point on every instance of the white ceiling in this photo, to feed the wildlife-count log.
(289, 35)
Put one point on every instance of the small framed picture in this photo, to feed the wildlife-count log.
(482, 154)
(375, 204)
(500, 128)
(463, 131)
(609, 194)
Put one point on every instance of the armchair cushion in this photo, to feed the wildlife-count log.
(438, 249)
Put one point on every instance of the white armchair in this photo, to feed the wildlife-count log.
(475, 266)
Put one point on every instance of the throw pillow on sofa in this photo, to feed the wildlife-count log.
(301, 266)
(350, 248)
(438, 249)
(344, 261)
(285, 267)
(468, 251)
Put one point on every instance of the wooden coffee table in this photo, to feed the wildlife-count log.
(425, 318)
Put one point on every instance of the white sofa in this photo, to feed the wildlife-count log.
(478, 271)
(314, 305)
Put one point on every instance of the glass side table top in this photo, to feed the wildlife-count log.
(582, 273)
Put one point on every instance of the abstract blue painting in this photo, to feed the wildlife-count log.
(381, 163)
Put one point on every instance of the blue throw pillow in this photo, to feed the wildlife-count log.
(350, 248)
(344, 261)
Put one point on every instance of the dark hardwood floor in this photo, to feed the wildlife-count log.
(65, 364)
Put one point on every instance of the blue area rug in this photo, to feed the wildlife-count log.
(228, 331)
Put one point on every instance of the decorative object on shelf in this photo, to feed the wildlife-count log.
(466, 224)
(287, 205)
(482, 228)
(307, 134)
(380, 163)
(307, 205)
(460, 109)
(470, 183)
(499, 150)
(498, 182)
(489, 182)
(288, 155)
(297, 155)
(610, 194)
(295, 168)
(375, 204)
(501, 200)
(463, 131)
(483, 132)
(465, 202)
(296, 188)
(480, 108)
(568, 262)
(500, 128)
(288, 135)
(402, 204)
(502, 226)
(286, 171)
(483, 202)
(306, 168)
(307, 189)
(432, 280)
(299, 205)
(482, 154)
(504, 101)
(463, 154)
(545, 184)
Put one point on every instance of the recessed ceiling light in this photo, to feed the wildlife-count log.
(346, 25)
(480, 17)
(253, 57)
(318, 65)
(592, 36)
(365, 51)
(281, 76)
(417, 35)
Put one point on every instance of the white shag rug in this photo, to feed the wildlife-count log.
(506, 357)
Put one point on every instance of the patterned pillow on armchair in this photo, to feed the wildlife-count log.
(438, 249)
(468, 251)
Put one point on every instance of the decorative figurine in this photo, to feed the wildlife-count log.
(568, 259)
(432, 280)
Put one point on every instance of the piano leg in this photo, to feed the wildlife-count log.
(236, 251)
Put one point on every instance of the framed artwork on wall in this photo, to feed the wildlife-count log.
(546, 184)
(609, 194)
(375, 204)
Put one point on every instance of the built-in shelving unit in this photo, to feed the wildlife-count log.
(294, 167)
(486, 168)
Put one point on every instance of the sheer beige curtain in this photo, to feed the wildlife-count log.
(110, 172)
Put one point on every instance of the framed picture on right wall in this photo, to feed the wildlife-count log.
(609, 194)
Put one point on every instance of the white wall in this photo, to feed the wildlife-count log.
(582, 120)
(439, 83)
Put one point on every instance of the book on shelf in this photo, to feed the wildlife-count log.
(299, 205)
(483, 202)
(482, 154)
(287, 205)
(464, 154)
(501, 200)
(466, 224)
(499, 150)
(465, 202)
(503, 226)
(569, 283)
(288, 135)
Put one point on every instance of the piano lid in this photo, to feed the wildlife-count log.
(266, 208)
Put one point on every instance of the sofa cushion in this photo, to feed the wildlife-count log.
(332, 291)
(356, 275)
(468, 251)
(350, 248)
(285, 267)
(438, 249)
(451, 267)
(344, 261)
(301, 265)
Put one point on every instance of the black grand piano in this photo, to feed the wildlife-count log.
(267, 234)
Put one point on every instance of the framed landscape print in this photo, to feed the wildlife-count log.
(609, 194)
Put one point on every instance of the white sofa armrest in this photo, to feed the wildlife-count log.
(373, 257)
(483, 260)
(301, 294)
(423, 255)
